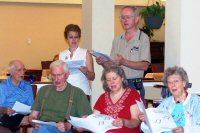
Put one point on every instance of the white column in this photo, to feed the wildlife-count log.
(182, 47)
(98, 32)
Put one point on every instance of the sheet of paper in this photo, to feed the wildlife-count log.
(160, 120)
(74, 66)
(156, 119)
(98, 54)
(21, 108)
(142, 109)
(98, 123)
(44, 123)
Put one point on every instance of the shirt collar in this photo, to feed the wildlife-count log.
(10, 83)
(136, 37)
(186, 100)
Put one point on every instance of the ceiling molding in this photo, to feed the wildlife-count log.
(117, 2)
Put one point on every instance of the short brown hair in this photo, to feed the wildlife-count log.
(72, 27)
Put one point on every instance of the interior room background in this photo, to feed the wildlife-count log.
(33, 32)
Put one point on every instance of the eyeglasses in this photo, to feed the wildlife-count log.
(173, 82)
(127, 17)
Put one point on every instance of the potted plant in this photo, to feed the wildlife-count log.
(153, 15)
(148, 31)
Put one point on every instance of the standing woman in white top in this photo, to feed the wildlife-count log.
(72, 35)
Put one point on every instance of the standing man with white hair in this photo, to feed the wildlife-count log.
(56, 102)
(11, 90)
(131, 49)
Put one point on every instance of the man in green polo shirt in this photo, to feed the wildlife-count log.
(56, 102)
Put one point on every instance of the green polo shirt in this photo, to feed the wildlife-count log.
(56, 104)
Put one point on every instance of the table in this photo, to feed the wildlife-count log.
(151, 92)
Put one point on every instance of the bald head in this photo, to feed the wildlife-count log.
(13, 65)
(17, 70)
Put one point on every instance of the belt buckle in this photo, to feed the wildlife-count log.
(138, 80)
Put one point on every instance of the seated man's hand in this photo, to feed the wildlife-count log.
(33, 116)
(63, 126)
(9, 111)
(25, 121)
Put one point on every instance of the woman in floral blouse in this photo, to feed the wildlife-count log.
(183, 106)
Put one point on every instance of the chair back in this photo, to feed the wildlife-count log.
(45, 64)
(34, 89)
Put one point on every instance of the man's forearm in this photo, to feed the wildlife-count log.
(139, 65)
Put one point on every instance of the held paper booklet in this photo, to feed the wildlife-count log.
(97, 123)
(156, 119)
(98, 54)
(51, 123)
(21, 108)
(74, 66)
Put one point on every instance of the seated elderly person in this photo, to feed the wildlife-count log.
(11, 90)
(56, 102)
(183, 106)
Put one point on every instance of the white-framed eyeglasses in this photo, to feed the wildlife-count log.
(126, 17)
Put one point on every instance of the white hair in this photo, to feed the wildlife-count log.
(59, 63)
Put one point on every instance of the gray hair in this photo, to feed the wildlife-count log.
(59, 63)
(133, 8)
(116, 69)
(176, 71)
(12, 65)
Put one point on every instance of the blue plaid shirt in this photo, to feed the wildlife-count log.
(10, 93)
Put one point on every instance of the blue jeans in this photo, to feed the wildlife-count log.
(49, 129)
(133, 86)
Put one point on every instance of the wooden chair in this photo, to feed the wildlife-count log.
(56, 57)
(45, 64)
(6, 130)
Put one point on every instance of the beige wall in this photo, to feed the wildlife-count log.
(158, 33)
(42, 24)
(34, 32)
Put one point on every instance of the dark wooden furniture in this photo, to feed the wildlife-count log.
(33, 73)
(157, 57)
(157, 52)
(157, 67)
(6, 130)
(45, 64)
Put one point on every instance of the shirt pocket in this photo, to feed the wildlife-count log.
(135, 51)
